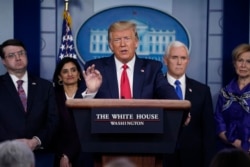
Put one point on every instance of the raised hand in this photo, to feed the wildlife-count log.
(93, 79)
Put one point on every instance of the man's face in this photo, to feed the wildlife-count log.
(177, 61)
(123, 44)
(15, 59)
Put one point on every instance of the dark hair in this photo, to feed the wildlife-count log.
(59, 67)
(231, 158)
(10, 42)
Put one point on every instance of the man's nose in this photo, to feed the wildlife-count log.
(179, 60)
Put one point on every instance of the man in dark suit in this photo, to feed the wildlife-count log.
(196, 144)
(28, 111)
(143, 77)
(146, 80)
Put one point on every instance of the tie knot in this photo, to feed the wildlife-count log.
(125, 66)
(19, 82)
(177, 82)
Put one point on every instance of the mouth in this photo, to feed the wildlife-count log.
(71, 78)
(124, 51)
(243, 71)
(19, 63)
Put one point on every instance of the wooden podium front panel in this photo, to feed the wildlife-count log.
(145, 150)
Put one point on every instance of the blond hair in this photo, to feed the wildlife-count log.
(122, 25)
(242, 48)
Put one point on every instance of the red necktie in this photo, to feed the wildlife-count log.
(22, 94)
(125, 88)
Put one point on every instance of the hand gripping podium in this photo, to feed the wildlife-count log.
(141, 130)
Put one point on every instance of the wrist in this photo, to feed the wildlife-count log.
(37, 142)
(89, 91)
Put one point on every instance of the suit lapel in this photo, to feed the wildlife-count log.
(32, 87)
(189, 89)
(139, 72)
(110, 73)
(11, 88)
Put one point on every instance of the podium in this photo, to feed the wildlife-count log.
(141, 130)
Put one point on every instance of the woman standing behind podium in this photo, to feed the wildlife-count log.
(70, 82)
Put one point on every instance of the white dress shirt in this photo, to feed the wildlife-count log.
(130, 73)
(182, 80)
(25, 82)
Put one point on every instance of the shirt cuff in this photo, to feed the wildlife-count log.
(88, 95)
(38, 140)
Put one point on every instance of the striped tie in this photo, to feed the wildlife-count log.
(22, 94)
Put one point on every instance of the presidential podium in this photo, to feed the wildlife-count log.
(141, 130)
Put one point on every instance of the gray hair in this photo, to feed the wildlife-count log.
(120, 162)
(175, 44)
(16, 154)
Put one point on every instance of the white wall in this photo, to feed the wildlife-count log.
(6, 26)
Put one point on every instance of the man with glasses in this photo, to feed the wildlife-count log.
(27, 103)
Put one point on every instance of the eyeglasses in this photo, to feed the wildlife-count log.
(20, 53)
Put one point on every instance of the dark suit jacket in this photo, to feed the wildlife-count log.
(149, 81)
(197, 140)
(66, 139)
(41, 116)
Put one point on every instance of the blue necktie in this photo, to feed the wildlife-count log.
(178, 89)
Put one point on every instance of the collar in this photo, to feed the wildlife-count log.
(171, 79)
(130, 64)
(24, 78)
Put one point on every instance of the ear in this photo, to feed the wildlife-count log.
(78, 73)
(165, 61)
(110, 46)
(234, 64)
(136, 43)
(188, 59)
(3, 61)
(59, 77)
